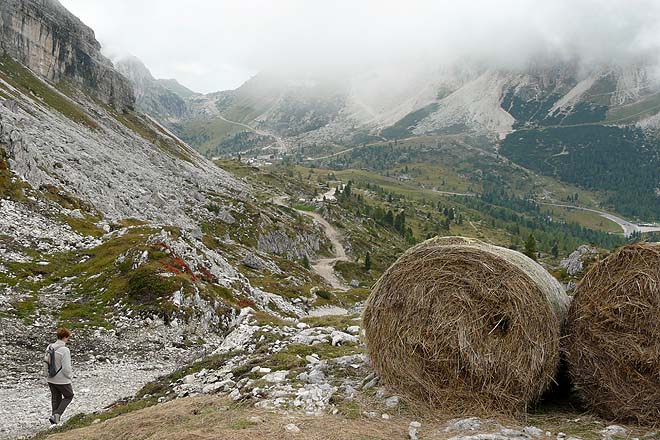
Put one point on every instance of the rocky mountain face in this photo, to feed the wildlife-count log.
(163, 99)
(52, 42)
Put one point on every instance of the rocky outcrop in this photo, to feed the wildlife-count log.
(53, 43)
(280, 243)
(578, 259)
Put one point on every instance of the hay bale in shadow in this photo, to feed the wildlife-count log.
(459, 323)
(613, 335)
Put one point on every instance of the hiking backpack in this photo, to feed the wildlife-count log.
(50, 355)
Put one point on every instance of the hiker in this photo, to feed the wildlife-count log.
(59, 374)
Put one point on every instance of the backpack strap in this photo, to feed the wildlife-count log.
(50, 347)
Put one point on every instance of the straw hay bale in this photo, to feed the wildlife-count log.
(613, 335)
(457, 322)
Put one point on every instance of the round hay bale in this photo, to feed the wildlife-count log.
(613, 335)
(463, 324)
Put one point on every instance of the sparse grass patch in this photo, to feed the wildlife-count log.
(241, 424)
(8, 187)
(82, 420)
(353, 296)
(84, 314)
(325, 351)
(26, 307)
(350, 409)
(338, 321)
(84, 226)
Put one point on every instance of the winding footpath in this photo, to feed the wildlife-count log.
(325, 267)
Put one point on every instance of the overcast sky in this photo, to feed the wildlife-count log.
(211, 45)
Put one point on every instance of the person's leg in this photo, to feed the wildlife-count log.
(55, 397)
(67, 392)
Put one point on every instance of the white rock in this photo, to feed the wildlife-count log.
(211, 388)
(468, 424)
(412, 430)
(533, 431)
(392, 402)
(341, 338)
(354, 329)
(292, 428)
(614, 431)
(277, 376)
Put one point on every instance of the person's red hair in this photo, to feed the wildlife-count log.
(63, 332)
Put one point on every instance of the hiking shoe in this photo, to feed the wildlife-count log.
(51, 419)
(56, 418)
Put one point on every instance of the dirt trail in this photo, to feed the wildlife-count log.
(325, 267)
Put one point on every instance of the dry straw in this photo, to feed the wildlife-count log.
(462, 324)
(613, 335)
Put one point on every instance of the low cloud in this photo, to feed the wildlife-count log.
(214, 45)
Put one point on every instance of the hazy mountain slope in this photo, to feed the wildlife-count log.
(312, 110)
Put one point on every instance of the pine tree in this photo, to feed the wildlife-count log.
(555, 250)
(530, 247)
(367, 262)
(305, 262)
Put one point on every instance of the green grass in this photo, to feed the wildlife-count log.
(84, 315)
(84, 226)
(24, 80)
(241, 424)
(338, 321)
(304, 207)
(26, 307)
(585, 218)
(8, 187)
(207, 134)
(97, 280)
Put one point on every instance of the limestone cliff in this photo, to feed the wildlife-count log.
(56, 45)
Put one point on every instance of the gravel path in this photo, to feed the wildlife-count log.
(26, 404)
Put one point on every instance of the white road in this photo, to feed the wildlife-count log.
(628, 227)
